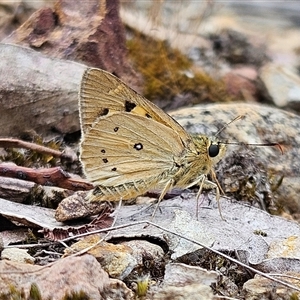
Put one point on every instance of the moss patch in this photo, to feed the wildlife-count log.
(168, 74)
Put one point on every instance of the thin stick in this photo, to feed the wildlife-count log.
(16, 143)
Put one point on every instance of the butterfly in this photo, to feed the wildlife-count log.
(130, 146)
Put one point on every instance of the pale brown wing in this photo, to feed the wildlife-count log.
(102, 94)
(124, 148)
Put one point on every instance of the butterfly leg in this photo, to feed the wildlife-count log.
(215, 179)
(204, 183)
(167, 187)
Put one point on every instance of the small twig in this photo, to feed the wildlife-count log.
(50, 177)
(15, 143)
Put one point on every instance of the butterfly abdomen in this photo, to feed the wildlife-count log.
(128, 190)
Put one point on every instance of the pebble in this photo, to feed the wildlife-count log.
(17, 255)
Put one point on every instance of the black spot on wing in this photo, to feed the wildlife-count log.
(138, 146)
(129, 106)
(103, 112)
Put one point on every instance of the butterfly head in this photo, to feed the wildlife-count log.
(209, 150)
(216, 151)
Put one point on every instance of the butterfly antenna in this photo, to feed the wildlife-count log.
(226, 125)
(279, 146)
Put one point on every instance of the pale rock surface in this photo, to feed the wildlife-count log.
(17, 255)
(116, 260)
(66, 276)
(263, 288)
(283, 85)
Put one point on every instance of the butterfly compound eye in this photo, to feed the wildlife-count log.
(213, 150)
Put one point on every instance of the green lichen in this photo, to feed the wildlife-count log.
(76, 296)
(294, 296)
(19, 294)
(35, 294)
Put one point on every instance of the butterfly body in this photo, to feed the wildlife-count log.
(130, 146)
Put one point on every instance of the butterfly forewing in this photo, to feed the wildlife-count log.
(102, 93)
